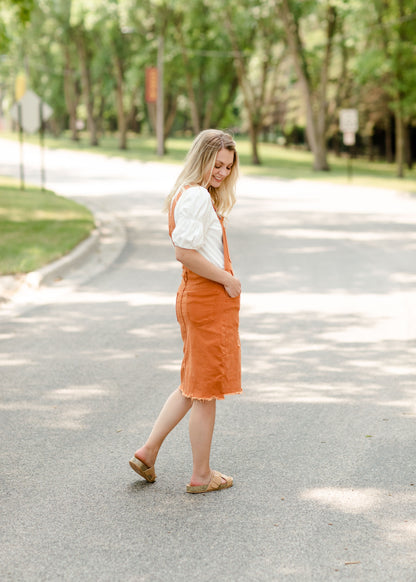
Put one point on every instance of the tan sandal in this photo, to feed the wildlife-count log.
(215, 484)
(143, 470)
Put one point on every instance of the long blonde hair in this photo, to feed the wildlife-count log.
(199, 165)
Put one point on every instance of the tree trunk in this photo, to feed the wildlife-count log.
(316, 114)
(252, 107)
(160, 97)
(170, 118)
(253, 126)
(399, 142)
(99, 118)
(121, 116)
(389, 140)
(196, 127)
(321, 154)
(408, 147)
(151, 110)
(370, 146)
(132, 122)
(320, 163)
(254, 133)
(87, 87)
(400, 125)
(70, 93)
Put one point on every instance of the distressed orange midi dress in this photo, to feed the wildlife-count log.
(209, 322)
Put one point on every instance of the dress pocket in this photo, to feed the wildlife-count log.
(203, 304)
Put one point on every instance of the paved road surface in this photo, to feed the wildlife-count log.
(321, 444)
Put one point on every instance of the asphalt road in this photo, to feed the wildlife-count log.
(321, 444)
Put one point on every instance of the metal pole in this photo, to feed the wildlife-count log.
(42, 146)
(350, 164)
(160, 99)
(20, 121)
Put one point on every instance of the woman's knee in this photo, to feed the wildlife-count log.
(185, 399)
(204, 406)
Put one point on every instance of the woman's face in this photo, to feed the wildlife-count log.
(222, 167)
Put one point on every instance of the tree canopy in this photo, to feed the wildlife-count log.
(279, 70)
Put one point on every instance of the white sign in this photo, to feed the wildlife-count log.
(348, 120)
(30, 105)
(348, 138)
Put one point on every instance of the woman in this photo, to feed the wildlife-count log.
(207, 306)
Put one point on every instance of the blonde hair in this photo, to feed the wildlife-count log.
(199, 165)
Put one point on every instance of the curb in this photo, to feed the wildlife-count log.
(10, 285)
(106, 226)
(59, 268)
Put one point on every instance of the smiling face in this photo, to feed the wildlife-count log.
(222, 168)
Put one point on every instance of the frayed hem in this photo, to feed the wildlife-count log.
(210, 398)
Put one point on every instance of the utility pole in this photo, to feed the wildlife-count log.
(160, 99)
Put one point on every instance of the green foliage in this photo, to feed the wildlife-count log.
(14, 14)
(389, 59)
(4, 38)
(373, 63)
(22, 8)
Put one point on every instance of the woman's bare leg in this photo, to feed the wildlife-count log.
(174, 409)
(201, 428)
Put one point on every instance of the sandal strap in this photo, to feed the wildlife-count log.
(216, 480)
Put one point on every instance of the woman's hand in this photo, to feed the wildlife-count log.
(233, 286)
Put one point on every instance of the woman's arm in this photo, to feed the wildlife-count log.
(198, 264)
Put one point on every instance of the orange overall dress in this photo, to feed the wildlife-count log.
(209, 319)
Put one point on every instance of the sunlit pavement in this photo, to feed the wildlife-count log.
(321, 444)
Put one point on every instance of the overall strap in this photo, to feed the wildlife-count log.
(227, 260)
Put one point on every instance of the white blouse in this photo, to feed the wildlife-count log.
(197, 225)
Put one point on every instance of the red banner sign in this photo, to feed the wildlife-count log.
(151, 85)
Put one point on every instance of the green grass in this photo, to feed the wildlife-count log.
(37, 227)
(293, 164)
(277, 161)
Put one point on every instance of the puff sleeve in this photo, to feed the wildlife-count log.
(192, 218)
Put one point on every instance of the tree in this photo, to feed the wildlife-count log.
(257, 56)
(85, 30)
(313, 80)
(401, 57)
(207, 65)
(247, 70)
(54, 20)
(388, 63)
(115, 12)
(153, 21)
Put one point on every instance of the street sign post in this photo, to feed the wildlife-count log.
(30, 113)
(34, 112)
(348, 120)
(348, 124)
(22, 169)
(349, 138)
